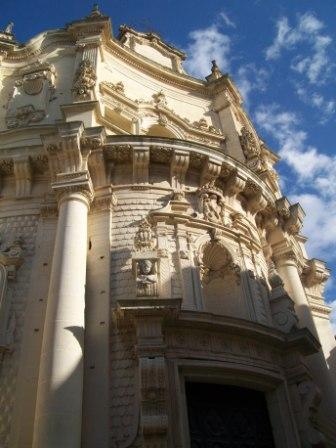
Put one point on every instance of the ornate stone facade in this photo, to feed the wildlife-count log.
(145, 244)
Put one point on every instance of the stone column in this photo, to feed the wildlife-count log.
(287, 267)
(58, 416)
(59, 402)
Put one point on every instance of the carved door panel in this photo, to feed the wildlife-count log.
(227, 417)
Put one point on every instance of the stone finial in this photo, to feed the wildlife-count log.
(9, 28)
(215, 72)
(95, 12)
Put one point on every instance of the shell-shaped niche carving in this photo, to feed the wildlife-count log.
(215, 260)
(220, 280)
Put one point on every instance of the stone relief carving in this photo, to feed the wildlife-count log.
(118, 87)
(10, 260)
(31, 95)
(249, 144)
(146, 278)
(310, 401)
(215, 261)
(160, 99)
(212, 204)
(84, 82)
(145, 261)
(282, 306)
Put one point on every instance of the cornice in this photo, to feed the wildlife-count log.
(300, 339)
(229, 165)
(39, 44)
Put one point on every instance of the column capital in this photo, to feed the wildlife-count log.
(284, 254)
(71, 185)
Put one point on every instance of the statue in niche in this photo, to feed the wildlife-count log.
(212, 203)
(146, 278)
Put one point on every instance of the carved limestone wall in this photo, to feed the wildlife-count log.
(132, 207)
(24, 226)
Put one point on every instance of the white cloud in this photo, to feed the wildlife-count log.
(249, 78)
(227, 21)
(319, 224)
(207, 44)
(315, 186)
(305, 159)
(315, 65)
(326, 107)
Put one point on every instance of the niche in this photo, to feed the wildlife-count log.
(220, 282)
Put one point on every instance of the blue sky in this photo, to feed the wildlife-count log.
(282, 56)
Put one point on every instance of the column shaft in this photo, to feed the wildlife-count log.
(58, 414)
(289, 273)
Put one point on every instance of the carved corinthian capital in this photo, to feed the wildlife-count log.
(64, 149)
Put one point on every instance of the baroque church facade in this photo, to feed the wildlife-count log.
(155, 290)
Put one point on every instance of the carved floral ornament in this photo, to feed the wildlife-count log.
(85, 80)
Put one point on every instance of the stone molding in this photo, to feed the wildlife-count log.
(201, 132)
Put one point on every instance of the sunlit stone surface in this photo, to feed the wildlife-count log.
(146, 245)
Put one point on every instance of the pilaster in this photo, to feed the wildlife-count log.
(95, 431)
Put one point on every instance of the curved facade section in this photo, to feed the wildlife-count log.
(150, 265)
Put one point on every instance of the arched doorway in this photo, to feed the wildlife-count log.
(225, 416)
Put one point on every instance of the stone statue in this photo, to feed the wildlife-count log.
(146, 280)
